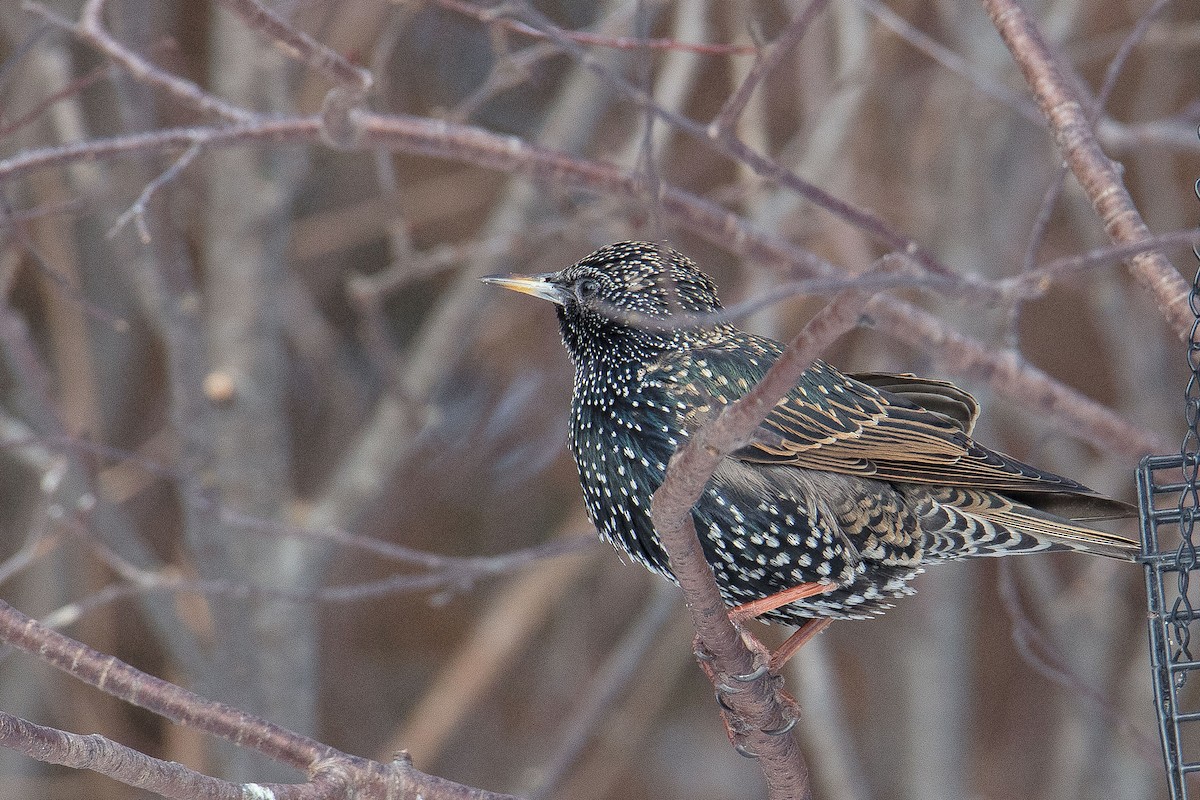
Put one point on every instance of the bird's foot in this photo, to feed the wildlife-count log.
(737, 727)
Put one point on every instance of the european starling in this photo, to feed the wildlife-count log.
(855, 481)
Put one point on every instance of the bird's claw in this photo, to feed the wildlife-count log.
(732, 684)
(744, 750)
(762, 669)
(782, 729)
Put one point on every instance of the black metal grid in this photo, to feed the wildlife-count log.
(1169, 501)
(1166, 494)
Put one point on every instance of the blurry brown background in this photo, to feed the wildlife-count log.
(204, 405)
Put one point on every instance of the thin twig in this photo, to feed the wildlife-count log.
(37, 545)
(614, 675)
(491, 17)
(91, 29)
(1038, 652)
(300, 46)
(498, 637)
(950, 60)
(73, 88)
(1034, 282)
(1050, 199)
(439, 139)
(17, 226)
(739, 152)
(726, 121)
(137, 211)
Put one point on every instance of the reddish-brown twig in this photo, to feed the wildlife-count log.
(725, 123)
(369, 779)
(1006, 373)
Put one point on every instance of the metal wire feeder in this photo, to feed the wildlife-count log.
(1169, 504)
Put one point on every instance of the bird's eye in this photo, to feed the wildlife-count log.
(587, 288)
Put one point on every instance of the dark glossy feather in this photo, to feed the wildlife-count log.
(855, 481)
(937, 397)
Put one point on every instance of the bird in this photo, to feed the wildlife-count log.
(852, 484)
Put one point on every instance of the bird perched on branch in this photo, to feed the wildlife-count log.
(850, 486)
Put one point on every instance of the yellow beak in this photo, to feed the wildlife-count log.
(536, 285)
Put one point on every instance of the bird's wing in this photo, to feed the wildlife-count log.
(943, 398)
(833, 422)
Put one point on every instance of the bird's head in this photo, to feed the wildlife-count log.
(630, 300)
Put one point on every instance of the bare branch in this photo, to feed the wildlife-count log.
(137, 211)
(91, 29)
(102, 755)
(302, 47)
(687, 474)
(153, 694)
(440, 139)
(725, 123)
(1039, 653)
(494, 16)
(73, 88)
(109, 674)
(383, 418)
(1096, 173)
(951, 60)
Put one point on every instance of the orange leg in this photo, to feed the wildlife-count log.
(798, 639)
(756, 608)
(767, 661)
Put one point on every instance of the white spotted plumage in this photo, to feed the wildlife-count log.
(857, 481)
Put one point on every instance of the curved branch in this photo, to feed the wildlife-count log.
(134, 768)
(712, 222)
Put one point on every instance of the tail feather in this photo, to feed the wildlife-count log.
(966, 522)
(1068, 534)
(1075, 507)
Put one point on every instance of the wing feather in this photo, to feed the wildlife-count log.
(834, 422)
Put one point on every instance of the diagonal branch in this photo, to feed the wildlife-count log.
(1096, 172)
(134, 768)
(725, 123)
(91, 29)
(137, 211)
(950, 60)
(300, 46)
(120, 680)
(1007, 374)
(490, 16)
(732, 147)
(327, 766)
(688, 472)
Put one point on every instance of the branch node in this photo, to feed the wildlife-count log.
(340, 128)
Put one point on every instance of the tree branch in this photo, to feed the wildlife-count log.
(365, 778)
(1097, 173)
(687, 474)
(134, 768)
